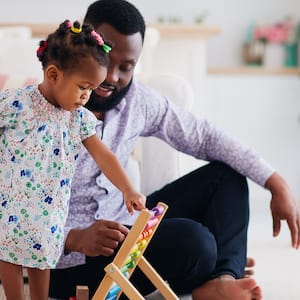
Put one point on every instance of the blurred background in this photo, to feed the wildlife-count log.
(233, 16)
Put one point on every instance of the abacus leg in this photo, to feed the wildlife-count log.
(157, 281)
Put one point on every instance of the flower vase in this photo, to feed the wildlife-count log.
(291, 54)
(274, 56)
(253, 53)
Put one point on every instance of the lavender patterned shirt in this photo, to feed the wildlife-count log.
(146, 113)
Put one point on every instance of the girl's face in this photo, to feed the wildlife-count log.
(72, 89)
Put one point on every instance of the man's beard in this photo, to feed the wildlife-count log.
(100, 104)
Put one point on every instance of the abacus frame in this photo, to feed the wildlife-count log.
(113, 271)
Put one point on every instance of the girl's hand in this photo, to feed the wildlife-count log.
(134, 201)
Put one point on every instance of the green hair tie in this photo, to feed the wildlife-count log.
(106, 48)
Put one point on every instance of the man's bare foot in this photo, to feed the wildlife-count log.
(228, 288)
(249, 269)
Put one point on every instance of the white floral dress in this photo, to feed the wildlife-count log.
(39, 145)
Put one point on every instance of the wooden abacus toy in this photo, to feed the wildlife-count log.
(130, 255)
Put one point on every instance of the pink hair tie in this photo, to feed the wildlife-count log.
(100, 41)
(69, 24)
(97, 37)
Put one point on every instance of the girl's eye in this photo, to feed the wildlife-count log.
(83, 88)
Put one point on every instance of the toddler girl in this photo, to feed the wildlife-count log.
(42, 129)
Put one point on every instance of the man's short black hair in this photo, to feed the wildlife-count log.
(120, 14)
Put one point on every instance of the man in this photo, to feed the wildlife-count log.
(200, 246)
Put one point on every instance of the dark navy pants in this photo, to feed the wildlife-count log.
(203, 235)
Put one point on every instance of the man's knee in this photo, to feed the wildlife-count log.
(230, 172)
(187, 241)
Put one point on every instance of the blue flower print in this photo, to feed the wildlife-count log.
(41, 128)
(18, 105)
(26, 173)
(37, 246)
(48, 199)
(12, 219)
(53, 228)
(56, 151)
(65, 182)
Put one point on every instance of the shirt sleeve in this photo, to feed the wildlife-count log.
(200, 138)
(71, 259)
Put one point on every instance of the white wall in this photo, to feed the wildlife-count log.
(233, 16)
(261, 111)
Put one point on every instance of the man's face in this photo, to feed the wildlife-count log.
(124, 55)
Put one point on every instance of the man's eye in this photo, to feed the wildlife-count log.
(126, 68)
(82, 88)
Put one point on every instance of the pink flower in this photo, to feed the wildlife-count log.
(260, 33)
(277, 33)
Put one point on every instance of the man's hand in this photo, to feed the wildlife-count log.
(101, 238)
(284, 207)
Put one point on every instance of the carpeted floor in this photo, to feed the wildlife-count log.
(277, 264)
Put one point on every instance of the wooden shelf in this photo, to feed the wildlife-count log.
(253, 71)
(192, 30)
(166, 29)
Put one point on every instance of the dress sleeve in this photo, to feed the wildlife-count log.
(10, 107)
(88, 124)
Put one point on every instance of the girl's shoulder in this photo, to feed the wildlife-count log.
(14, 103)
(16, 99)
(18, 94)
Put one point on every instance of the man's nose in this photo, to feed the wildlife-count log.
(112, 74)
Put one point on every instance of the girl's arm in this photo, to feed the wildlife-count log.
(113, 170)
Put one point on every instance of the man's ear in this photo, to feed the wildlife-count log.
(52, 73)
